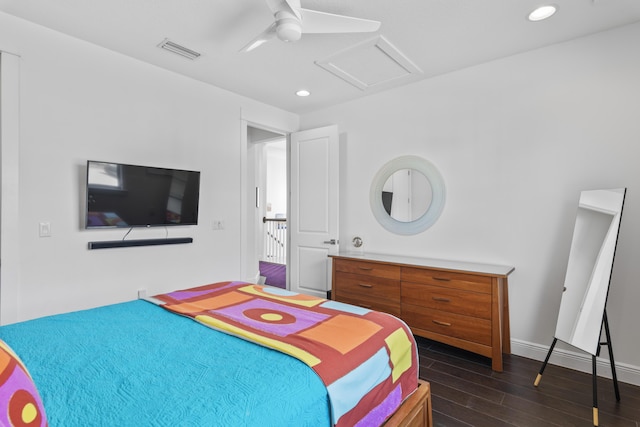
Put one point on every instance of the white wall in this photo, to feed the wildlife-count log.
(80, 102)
(276, 196)
(516, 140)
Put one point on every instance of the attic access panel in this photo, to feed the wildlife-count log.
(371, 63)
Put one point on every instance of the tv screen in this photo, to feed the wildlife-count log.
(120, 195)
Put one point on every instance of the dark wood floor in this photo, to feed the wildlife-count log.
(466, 392)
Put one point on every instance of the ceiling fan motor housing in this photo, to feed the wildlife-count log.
(288, 26)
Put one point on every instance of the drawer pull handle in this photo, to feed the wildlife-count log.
(442, 279)
(365, 285)
(365, 268)
(437, 322)
(440, 299)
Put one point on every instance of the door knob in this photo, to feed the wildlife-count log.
(331, 242)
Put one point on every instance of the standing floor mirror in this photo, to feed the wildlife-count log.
(582, 315)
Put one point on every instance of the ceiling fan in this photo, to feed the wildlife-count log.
(292, 20)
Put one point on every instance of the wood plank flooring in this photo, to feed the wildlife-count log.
(466, 392)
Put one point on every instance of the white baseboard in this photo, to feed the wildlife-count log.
(576, 360)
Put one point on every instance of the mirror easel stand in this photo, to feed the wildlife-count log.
(605, 324)
(582, 314)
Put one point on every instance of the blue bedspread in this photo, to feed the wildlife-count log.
(135, 364)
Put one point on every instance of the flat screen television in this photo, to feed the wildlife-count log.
(120, 195)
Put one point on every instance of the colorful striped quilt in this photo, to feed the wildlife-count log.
(368, 360)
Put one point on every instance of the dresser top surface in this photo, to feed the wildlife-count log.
(441, 264)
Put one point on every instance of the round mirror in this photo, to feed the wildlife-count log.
(407, 195)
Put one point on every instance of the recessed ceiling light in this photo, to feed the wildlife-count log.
(303, 93)
(543, 12)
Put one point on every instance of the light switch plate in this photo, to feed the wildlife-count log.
(45, 229)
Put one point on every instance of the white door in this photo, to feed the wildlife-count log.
(9, 180)
(314, 209)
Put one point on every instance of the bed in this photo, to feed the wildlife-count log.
(183, 359)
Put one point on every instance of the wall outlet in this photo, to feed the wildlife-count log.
(142, 293)
(45, 229)
(217, 224)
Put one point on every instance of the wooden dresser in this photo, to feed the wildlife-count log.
(462, 304)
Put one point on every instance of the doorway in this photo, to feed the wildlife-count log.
(267, 168)
(312, 206)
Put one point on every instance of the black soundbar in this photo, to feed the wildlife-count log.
(139, 242)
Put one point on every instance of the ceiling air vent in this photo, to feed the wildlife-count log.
(179, 50)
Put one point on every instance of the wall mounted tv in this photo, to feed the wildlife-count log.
(120, 195)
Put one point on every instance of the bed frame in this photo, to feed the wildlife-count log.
(415, 411)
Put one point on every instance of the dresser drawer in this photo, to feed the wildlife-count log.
(371, 292)
(367, 268)
(372, 304)
(459, 281)
(362, 285)
(447, 299)
(448, 324)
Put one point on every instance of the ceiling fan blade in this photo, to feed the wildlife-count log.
(314, 21)
(262, 38)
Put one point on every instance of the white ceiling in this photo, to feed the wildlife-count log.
(437, 36)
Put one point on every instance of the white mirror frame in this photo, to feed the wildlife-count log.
(437, 202)
(589, 268)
